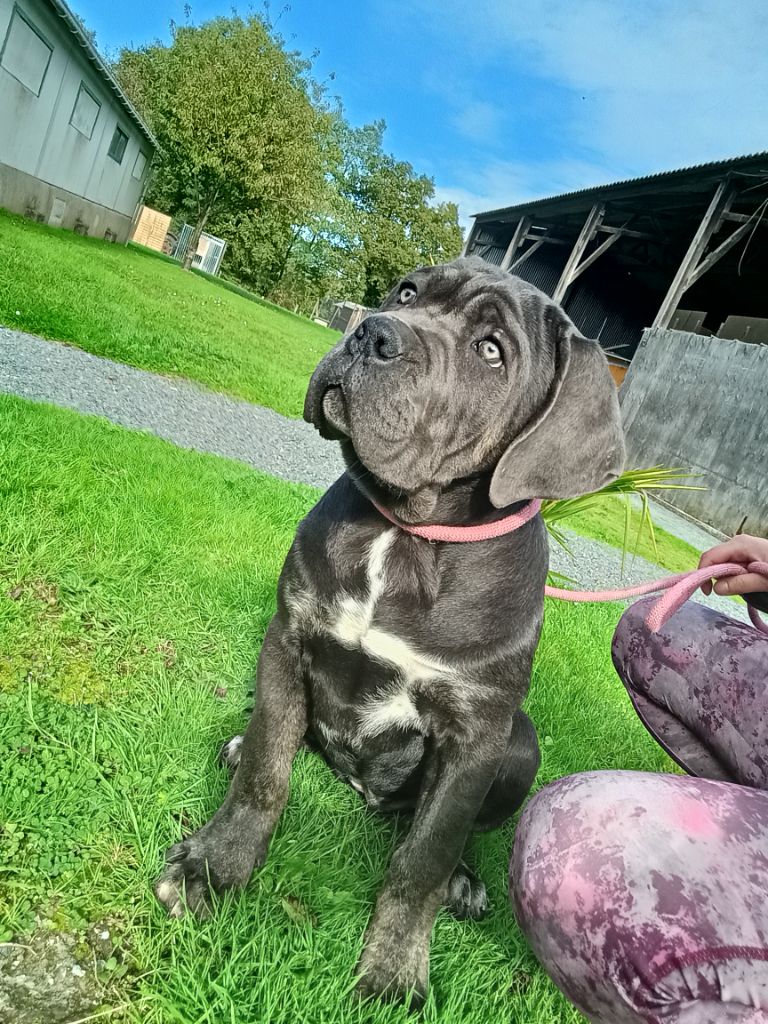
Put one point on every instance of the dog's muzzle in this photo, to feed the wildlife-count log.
(324, 405)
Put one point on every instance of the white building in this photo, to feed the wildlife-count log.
(74, 152)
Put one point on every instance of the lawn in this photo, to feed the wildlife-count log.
(136, 307)
(606, 523)
(136, 581)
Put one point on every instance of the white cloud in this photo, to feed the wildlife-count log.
(665, 82)
(499, 183)
(478, 121)
(651, 84)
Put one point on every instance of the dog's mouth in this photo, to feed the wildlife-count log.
(326, 409)
(333, 410)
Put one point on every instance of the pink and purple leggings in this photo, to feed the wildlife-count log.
(645, 896)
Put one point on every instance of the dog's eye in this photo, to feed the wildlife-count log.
(407, 294)
(490, 351)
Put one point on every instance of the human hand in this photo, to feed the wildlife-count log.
(743, 550)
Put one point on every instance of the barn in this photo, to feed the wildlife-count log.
(74, 152)
(684, 249)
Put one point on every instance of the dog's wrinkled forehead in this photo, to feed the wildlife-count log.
(472, 290)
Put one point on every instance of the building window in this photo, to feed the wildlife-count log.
(85, 111)
(141, 163)
(26, 54)
(117, 145)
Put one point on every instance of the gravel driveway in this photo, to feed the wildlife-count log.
(191, 417)
(170, 407)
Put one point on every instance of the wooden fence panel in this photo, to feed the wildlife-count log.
(151, 228)
(702, 404)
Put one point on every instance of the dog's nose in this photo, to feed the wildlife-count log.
(380, 337)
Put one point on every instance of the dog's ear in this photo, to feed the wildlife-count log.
(574, 444)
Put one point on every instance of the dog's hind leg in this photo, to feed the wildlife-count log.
(515, 777)
(458, 775)
(223, 853)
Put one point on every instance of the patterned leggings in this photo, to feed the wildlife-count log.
(646, 896)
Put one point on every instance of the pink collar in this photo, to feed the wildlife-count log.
(464, 534)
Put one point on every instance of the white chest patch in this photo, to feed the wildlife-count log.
(353, 626)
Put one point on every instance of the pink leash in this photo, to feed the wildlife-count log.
(679, 588)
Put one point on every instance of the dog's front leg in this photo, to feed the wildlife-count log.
(223, 853)
(395, 960)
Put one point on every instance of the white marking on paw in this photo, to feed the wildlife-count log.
(232, 748)
(166, 890)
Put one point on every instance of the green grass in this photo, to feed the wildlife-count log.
(137, 307)
(136, 582)
(606, 523)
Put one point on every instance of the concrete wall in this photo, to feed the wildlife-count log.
(702, 404)
(43, 157)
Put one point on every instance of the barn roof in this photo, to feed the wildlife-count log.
(683, 179)
(75, 26)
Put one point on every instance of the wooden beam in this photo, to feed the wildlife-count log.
(629, 232)
(549, 239)
(528, 252)
(709, 261)
(594, 255)
(518, 237)
(710, 222)
(744, 218)
(587, 233)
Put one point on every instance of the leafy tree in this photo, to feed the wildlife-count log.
(250, 148)
(387, 218)
(240, 136)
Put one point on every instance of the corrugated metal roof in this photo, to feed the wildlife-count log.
(602, 189)
(76, 28)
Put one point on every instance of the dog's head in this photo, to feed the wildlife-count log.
(464, 371)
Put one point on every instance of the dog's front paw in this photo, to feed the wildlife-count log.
(395, 976)
(211, 860)
(467, 897)
(229, 754)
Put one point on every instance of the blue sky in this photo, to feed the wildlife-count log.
(504, 100)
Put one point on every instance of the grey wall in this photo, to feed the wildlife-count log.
(38, 141)
(702, 404)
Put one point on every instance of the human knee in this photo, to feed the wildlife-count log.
(566, 838)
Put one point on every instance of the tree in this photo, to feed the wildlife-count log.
(250, 148)
(391, 220)
(240, 138)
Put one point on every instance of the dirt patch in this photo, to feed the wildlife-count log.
(54, 977)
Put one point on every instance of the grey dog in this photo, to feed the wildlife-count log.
(405, 662)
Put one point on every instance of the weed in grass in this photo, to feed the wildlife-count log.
(130, 305)
(606, 522)
(163, 563)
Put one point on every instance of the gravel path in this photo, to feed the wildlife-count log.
(596, 566)
(169, 407)
(190, 417)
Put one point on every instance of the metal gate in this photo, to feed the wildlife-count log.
(210, 250)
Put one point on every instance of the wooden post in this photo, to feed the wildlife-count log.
(516, 241)
(468, 241)
(587, 233)
(710, 222)
(718, 253)
(528, 252)
(603, 247)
